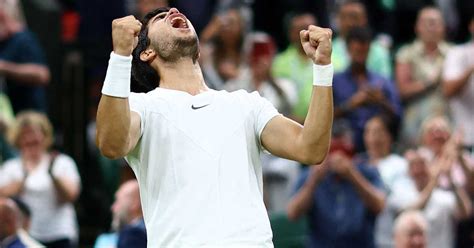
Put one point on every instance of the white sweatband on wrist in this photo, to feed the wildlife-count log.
(117, 79)
(322, 75)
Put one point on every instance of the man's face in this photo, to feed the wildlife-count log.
(358, 52)
(172, 36)
(120, 209)
(350, 16)
(430, 26)
(413, 236)
(418, 169)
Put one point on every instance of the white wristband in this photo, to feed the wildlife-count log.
(117, 79)
(322, 75)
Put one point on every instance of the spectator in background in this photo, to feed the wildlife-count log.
(458, 87)
(379, 134)
(352, 14)
(9, 221)
(47, 182)
(279, 91)
(441, 208)
(418, 71)
(438, 140)
(341, 198)
(223, 52)
(22, 63)
(128, 216)
(294, 65)
(410, 230)
(360, 93)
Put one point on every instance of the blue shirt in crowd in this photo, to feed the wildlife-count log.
(345, 86)
(23, 47)
(338, 216)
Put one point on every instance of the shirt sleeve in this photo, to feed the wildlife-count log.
(263, 112)
(65, 167)
(10, 172)
(31, 50)
(138, 104)
(403, 55)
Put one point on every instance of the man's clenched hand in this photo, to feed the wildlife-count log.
(316, 42)
(124, 34)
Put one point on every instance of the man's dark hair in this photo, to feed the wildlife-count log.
(359, 34)
(144, 77)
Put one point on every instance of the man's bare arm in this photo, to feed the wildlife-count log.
(309, 144)
(118, 128)
(30, 74)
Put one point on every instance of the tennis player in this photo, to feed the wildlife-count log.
(195, 151)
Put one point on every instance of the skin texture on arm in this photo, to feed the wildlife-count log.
(309, 144)
(12, 189)
(66, 190)
(118, 128)
(31, 74)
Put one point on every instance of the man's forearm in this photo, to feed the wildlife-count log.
(316, 133)
(29, 74)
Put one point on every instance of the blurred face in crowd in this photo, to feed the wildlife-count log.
(231, 28)
(299, 23)
(126, 205)
(7, 218)
(172, 36)
(430, 26)
(376, 137)
(261, 57)
(412, 234)
(351, 15)
(358, 51)
(418, 169)
(32, 141)
(435, 133)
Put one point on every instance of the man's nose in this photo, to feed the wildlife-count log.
(173, 10)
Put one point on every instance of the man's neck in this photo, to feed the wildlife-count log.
(184, 75)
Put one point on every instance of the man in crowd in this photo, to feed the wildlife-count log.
(410, 230)
(22, 63)
(341, 198)
(353, 14)
(359, 92)
(128, 216)
(294, 65)
(418, 71)
(9, 224)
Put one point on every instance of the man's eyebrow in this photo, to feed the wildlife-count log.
(158, 15)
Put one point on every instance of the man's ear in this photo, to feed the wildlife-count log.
(148, 55)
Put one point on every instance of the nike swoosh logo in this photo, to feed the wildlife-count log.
(193, 107)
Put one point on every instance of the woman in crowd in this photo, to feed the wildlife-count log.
(46, 181)
(223, 53)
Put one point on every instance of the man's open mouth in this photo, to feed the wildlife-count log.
(178, 21)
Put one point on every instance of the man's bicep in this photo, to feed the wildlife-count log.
(135, 129)
(280, 137)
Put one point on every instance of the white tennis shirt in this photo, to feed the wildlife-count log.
(198, 166)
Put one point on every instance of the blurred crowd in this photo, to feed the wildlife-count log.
(400, 169)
